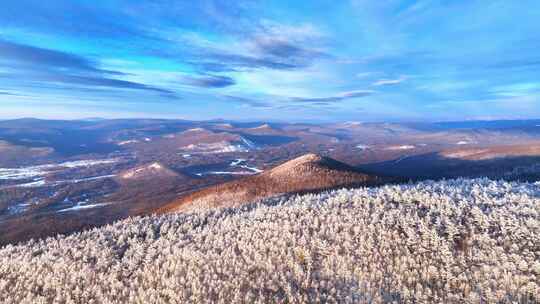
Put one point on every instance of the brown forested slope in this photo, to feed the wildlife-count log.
(309, 172)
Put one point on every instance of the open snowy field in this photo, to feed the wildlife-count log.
(457, 241)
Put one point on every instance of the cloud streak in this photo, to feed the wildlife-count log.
(273, 47)
(8, 94)
(389, 82)
(30, 56)
(335, 98)
(208, 81)
(29, 63)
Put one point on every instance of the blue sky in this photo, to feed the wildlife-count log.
(315, 60)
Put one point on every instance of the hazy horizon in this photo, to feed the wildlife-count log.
(270, 121)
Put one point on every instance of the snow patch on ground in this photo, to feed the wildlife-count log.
(82, 206)
(127, 142)
(43, 182)
(19, 208)
(352, 123)
(224, 125)
(466, 153)
(38, 183)
(236, 163)
(241, 145)
(87, 179)
(42, 170)
(402, 147)
(222, 147)
(248, 143)
(156, 166)
(225, 173)
(264, 126)
(144, 170)
(242, 164)
(252, 169)
(194, 130)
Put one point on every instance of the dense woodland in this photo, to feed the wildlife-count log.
(455, 241)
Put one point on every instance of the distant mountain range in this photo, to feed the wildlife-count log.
(60, 176)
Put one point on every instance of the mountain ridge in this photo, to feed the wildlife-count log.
(310, 172)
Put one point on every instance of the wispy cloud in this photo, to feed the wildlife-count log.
(364, 75)
(264, 46)
(208, 81)
(27, 63)
(246, 101)
(17, 54)
(389, 82)
(339, 97)
(8, 94)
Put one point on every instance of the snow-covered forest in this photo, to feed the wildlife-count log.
(456, 241)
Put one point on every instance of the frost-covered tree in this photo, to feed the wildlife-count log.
(456, 241)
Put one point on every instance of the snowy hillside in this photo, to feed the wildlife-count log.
(458, 241)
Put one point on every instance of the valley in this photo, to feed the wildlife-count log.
(63, 176)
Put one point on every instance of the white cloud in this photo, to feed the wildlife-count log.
(364, 74)
(385, 82)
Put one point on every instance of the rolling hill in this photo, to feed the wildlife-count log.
(306, 173)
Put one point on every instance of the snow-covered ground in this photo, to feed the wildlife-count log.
(43, 170)
(248, 143)
(127, 142)
(237, 163)
(18, 208)
(36, 176)
(454, 241)
(86, 179)
(362, 147)
(224, 173)
(37, 183)
(465, 153)
(42, 182)
(146, 170)
(402, 147)
(83, 205)
(244, 145)
(194, 130)
(242, 164)
(219, 147)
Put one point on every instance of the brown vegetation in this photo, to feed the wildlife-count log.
(484, 153)
(306, 173)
